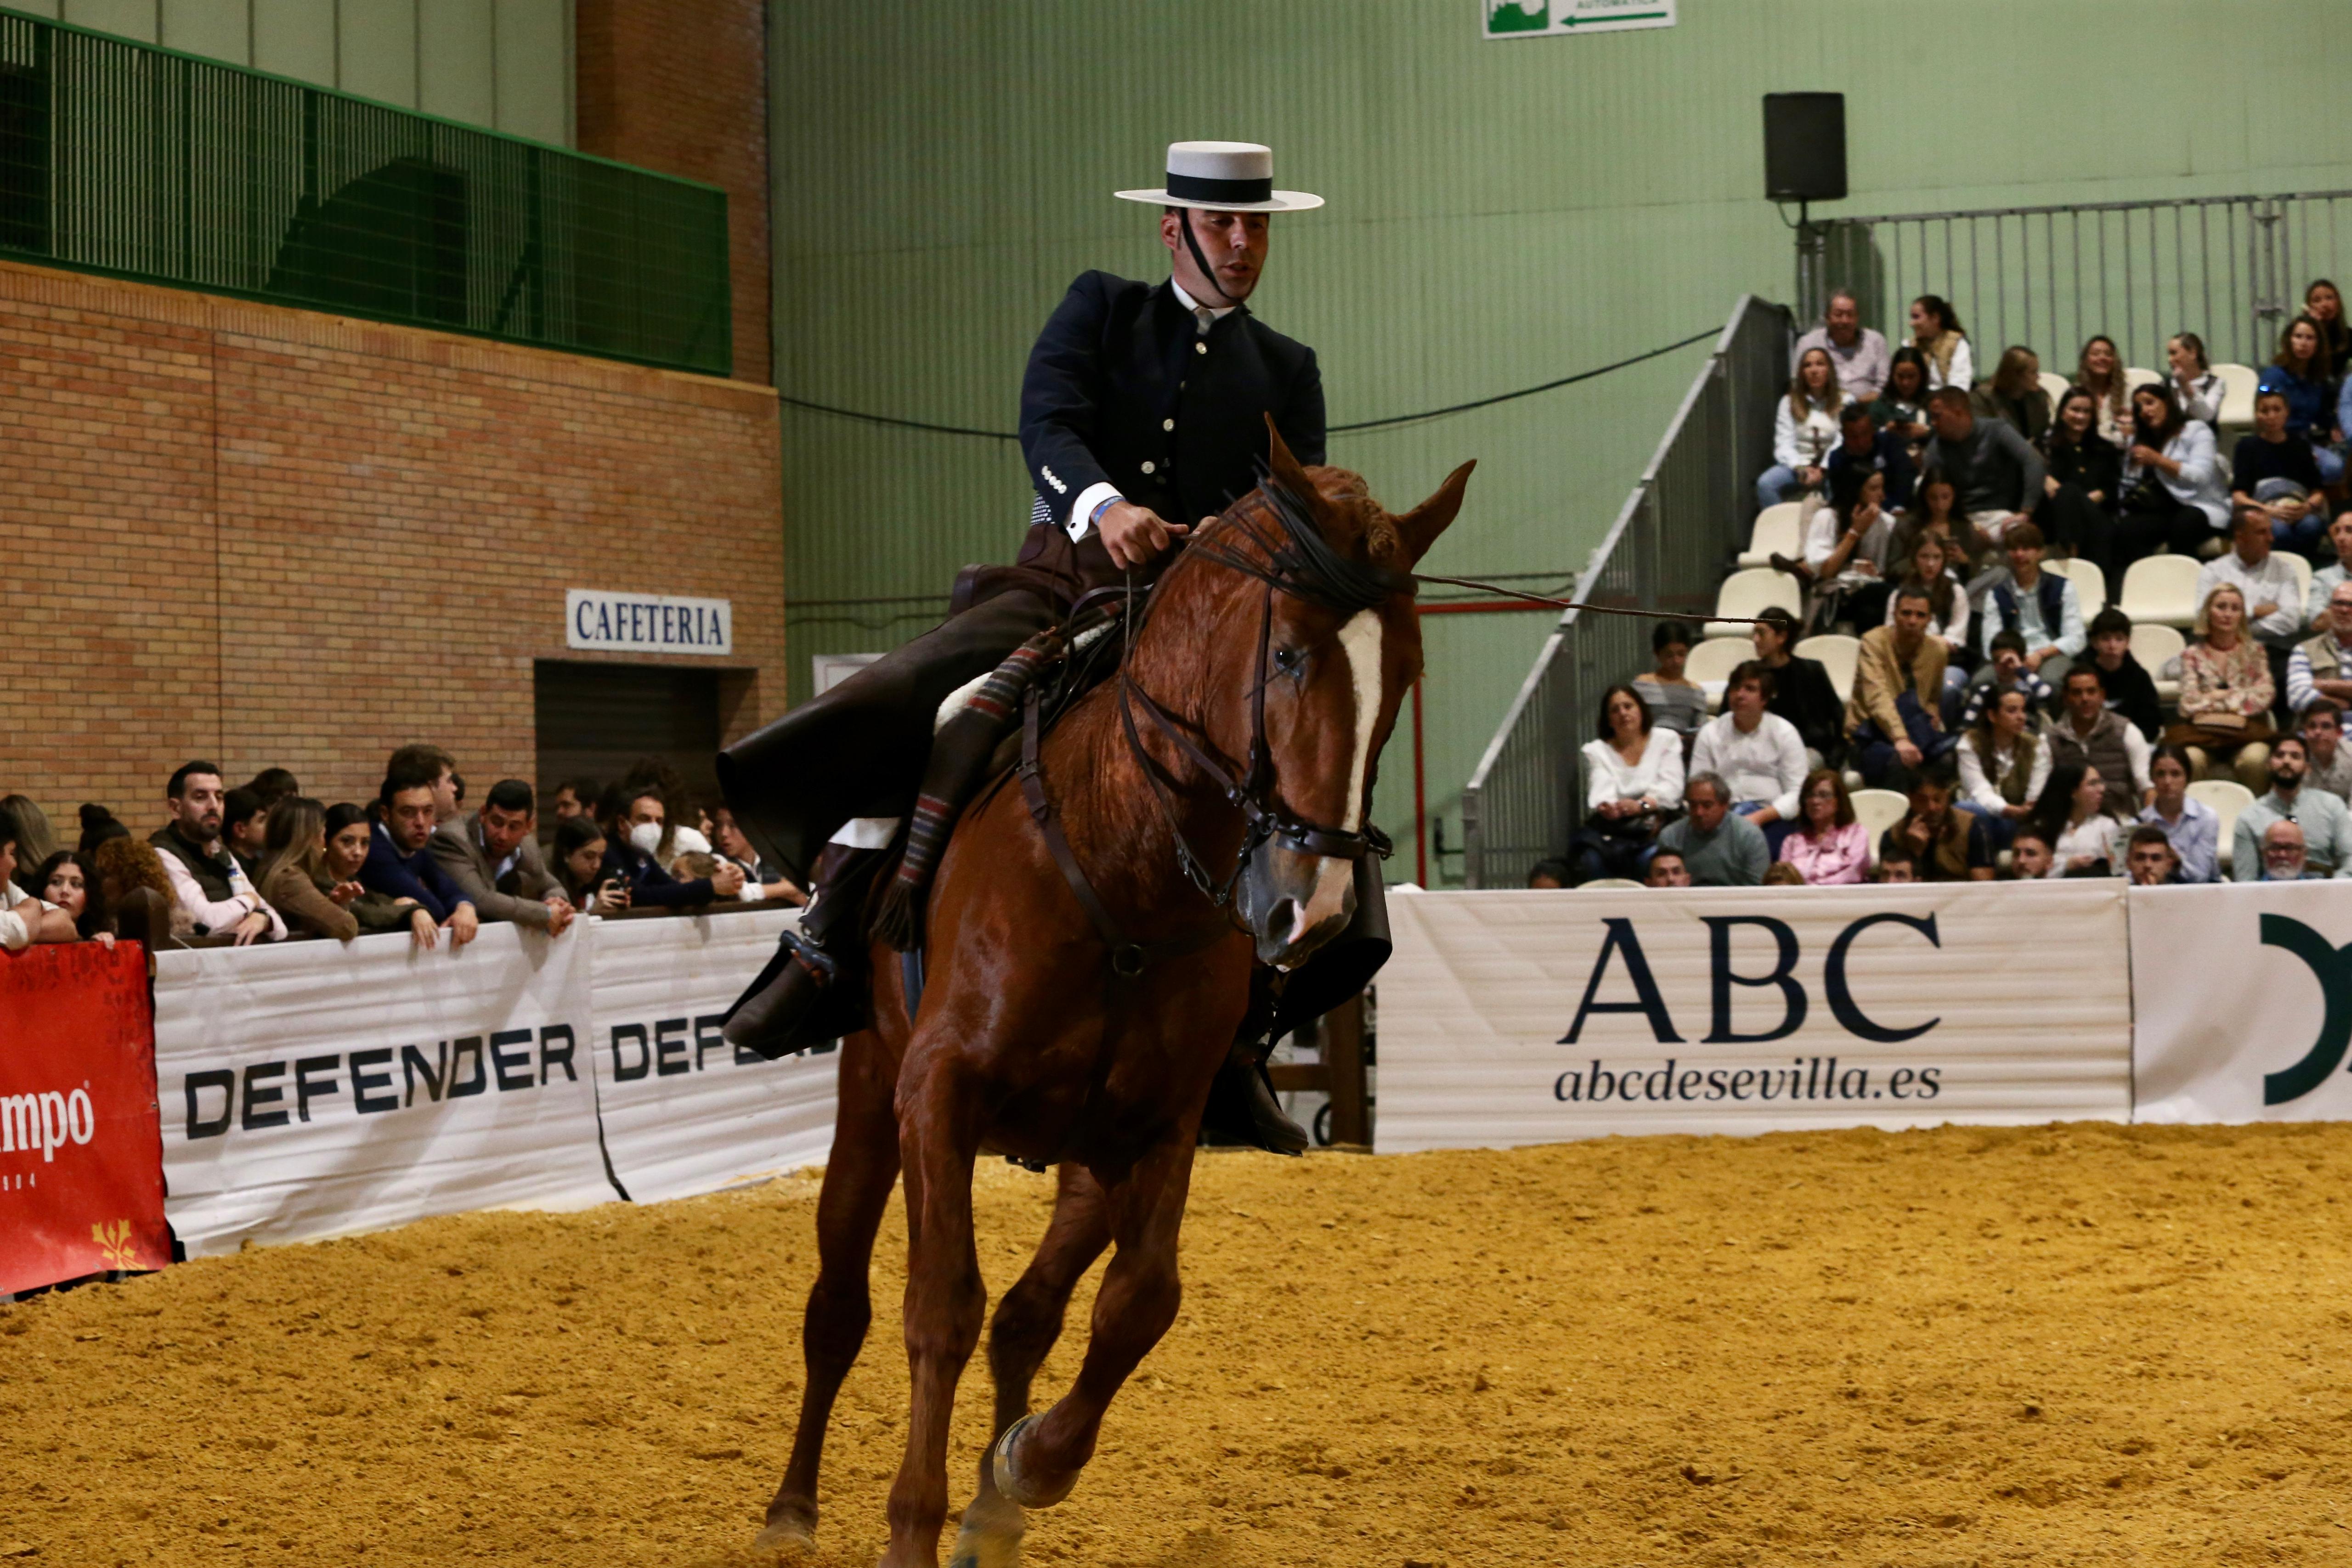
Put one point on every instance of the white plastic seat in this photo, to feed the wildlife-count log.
(2161, 588)
(2056, 386)
(2227, 797)
(2156, 646)
(2090, 582)
(1878, 810)
(2237, 383)
(1611, 881)
(1745, 592)
(1838, 653)
(1711, 664)
(2135, 378)
(2302, 565)
(1780, 529)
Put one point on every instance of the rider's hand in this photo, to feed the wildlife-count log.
(1136, 536)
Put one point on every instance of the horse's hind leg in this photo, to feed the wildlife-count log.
(1038, 1461)
(859, 1176)
(1028, 1320)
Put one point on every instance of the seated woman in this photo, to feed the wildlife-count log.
(2278, 473)
(2225, 694)
(2193, 828)
(1804, 430)
(2174, 493)
(1931, 570)
(2071, 817)
(2325, 305)
(1935, 503)
(2014, 393)
(2195, 387)
(25, 917)
(1676, 702)
(1827, 847)
(136, 891)
(1902, 404)
(2299, 372)
(1936, 333)
(348, 831)
(2003, 765)
(580, 867)
(1633, 777)
(1847, 546)
(2099, 370)
(2084, 477)
(67, 881)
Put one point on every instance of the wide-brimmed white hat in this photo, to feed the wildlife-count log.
(1224, 177)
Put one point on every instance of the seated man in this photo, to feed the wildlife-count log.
(2149, 860)
(1551, 873)
(1895, 866)
(1758, 753)
(2086, 732)
(1995, 472)
(245, 830)
(1858, 353)
(398, 864)
(1718, 847)
(2272, 591)
(2131, 690)
(2004, 671)
(206, 881)
(2323, 822)
(2323, 580)
(632, 830)
(2283, 854)
(2331, 760)
(1666, 869)
(1894, 717)
(759, 880)
(2042, 607)
(2320, 670)
(2030, 856)
(1863, 449)
(491, 857)
(575, 798)
(1947, 845)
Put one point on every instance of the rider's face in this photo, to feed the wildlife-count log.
(1235, 245)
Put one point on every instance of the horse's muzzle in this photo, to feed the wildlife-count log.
(1294, 903)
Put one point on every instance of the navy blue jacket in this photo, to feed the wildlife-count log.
(1891, 455)
(418, 877)
(1121, 389)
(650, 887)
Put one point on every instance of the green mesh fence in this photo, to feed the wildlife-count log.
(120, 158)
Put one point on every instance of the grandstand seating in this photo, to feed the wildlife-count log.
(2302, 565)
(2162, 589)
(2227, 796)
(2237, 398)
(2054, 386)
(1615, 881)
(2090, 582)
(1777, 528)
(1838, 654)
(2134, 376)
(1878, 810)
(2156, 646)
(1746, 592)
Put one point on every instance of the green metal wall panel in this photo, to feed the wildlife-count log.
(1500, 214)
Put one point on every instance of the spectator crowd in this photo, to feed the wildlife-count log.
(262, 861)
(1937, 512)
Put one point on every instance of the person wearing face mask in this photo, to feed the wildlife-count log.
(633, 832)
(2325, 821)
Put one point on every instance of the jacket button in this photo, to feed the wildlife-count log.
(1200, 347)
(1167, 424)
(1147, 466)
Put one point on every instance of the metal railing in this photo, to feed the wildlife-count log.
(1667, 551)
(2230, 268)
(120, 158)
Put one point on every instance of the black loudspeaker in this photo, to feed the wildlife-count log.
(1804, 146)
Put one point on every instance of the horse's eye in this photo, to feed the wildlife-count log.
(1286, 660)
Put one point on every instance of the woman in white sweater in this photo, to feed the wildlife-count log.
(1803, 431)
(1633, 777)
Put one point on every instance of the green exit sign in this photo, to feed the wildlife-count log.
(1507, 20)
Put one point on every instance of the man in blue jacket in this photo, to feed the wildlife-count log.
(1144, 412)
(399, 864)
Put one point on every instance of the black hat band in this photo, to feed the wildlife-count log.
(1194, 188)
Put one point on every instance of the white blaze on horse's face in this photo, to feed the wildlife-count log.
(1329, 901)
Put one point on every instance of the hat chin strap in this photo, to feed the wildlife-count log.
(1198, 260)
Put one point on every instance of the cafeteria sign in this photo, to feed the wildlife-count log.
(1508, 20)
(647, 623)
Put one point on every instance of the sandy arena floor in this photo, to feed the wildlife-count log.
(2078, 1345)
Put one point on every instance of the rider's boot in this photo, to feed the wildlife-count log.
(1242, 1107)
(814, 989)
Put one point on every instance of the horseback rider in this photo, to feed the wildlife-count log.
(1143, 413)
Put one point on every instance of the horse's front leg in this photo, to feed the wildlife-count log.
(1037, 1463)
(938, 1132)
(858, 1176)
(1027, 1322)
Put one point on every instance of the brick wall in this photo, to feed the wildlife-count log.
(269, 537)
(680, 87)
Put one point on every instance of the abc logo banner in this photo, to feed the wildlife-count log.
(1512, 1017)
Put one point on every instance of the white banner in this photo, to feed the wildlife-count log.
(319, 1089)
(683, 1111)
(1515, 1017)
(2243, 992)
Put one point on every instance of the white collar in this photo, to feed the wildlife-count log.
(1194, 306)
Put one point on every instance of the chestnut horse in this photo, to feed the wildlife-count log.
(1263, 677)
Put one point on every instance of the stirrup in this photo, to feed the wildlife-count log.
(822, 967)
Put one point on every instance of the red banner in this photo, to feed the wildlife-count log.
(81, 1147)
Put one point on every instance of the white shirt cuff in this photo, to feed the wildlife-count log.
(1081, 510)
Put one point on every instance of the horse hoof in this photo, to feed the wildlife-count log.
(991, 1536)
(1008, 1474)
(787, 1537)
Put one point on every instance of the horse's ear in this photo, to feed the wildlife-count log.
(1286, 468)
(1419, 527)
